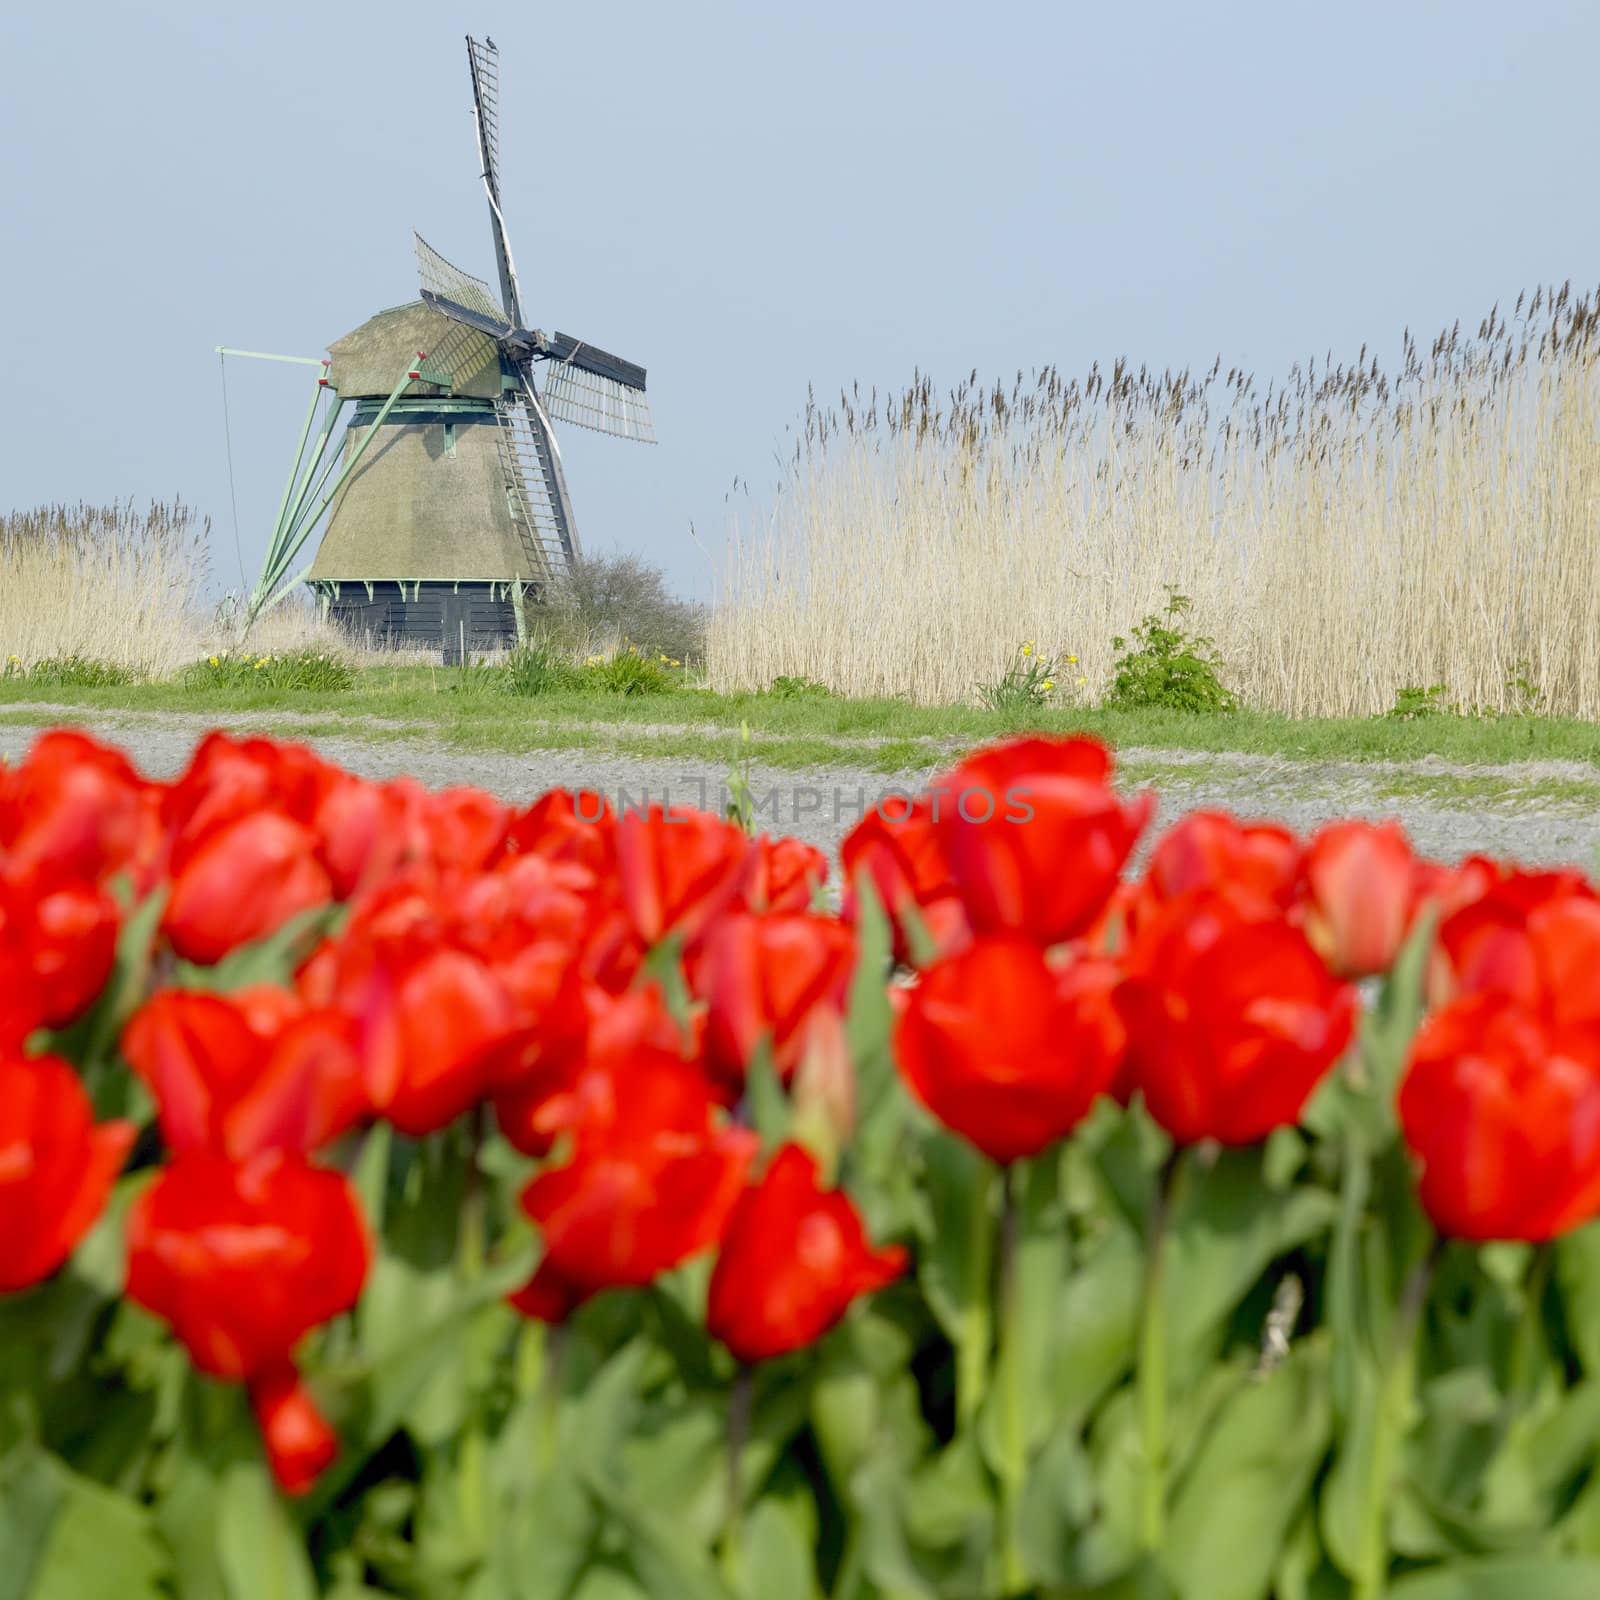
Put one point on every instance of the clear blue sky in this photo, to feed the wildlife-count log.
(747, 199)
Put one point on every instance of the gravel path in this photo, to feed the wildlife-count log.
(821, 806)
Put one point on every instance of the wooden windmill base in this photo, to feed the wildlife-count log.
(457, 619)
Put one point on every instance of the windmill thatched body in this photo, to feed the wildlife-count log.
(448, 511)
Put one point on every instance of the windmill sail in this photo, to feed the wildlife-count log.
(458, 294)
(595, 389)
(485, 63)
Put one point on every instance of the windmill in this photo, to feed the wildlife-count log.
(447, 504)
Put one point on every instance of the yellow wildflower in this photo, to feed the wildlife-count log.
(1072, 661)
(1083, 680)
(213, 659)
(1027, 649)
(1047, 684)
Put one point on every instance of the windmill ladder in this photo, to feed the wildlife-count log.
(520, 457)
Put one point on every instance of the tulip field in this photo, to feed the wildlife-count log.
(405, 1194)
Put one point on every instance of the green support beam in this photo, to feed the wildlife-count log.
(262, 355)
(316, 475)
(308, 519)
(299, 456)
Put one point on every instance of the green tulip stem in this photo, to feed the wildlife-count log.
(1013, 1437)
(1525, 1342)
(550, 1382)
(1153, 1364)
(471, 1253)
(977, 1317)
(1372, 1577)
(740, 1402)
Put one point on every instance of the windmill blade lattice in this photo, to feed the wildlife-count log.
(590, 388)
(442, 281)
(484, 61)
(486, 92)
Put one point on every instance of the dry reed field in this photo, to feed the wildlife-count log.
(1342, 537)
(109, 583)
(122, 588)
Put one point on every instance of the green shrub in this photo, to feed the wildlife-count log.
(303, 671)
(799, 687)
(1028, 682)
(623, 597)
(1524, 695)
(1413, 702)
(72, 672)
(1166, 666)
(537, 669)
(628, 672)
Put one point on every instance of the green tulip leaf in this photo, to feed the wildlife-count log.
(1245, 1484)
(101, 1546)
(665, 1560)
(259, 1548)
(1502, 1580)
(775, 1556)
(274, 959)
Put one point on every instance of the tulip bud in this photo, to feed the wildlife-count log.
(824, 1091)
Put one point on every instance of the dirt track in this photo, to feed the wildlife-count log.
(1542, 816)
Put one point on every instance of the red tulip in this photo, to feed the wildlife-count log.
(368, 832)
(57, 949)
(1232, 1017)
(1361, 895)
(784, 875)
(240, 1073)
(1533, 936)
(764, 978)
(56, 1166)
(1006, 1050)
(589, 1030)
(230, 779)
(1036, 837)
(793, 1259)
(904, 860)
(242, 883)
(677, 869)
(245, 1259)
(458, 984)
(1450, 888)
(563, 826)
(1501, 1107)
(77, 812)
(650, 1183)
(430, 1033)
(245, 855)
(1213, 850)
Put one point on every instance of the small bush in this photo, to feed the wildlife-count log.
(628, 672)
(1413, 702)
(1522, 694)
(1164, 665)
(72, 672)
(536, 670)
(623, 598)
(799, 687)
(303, 671)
